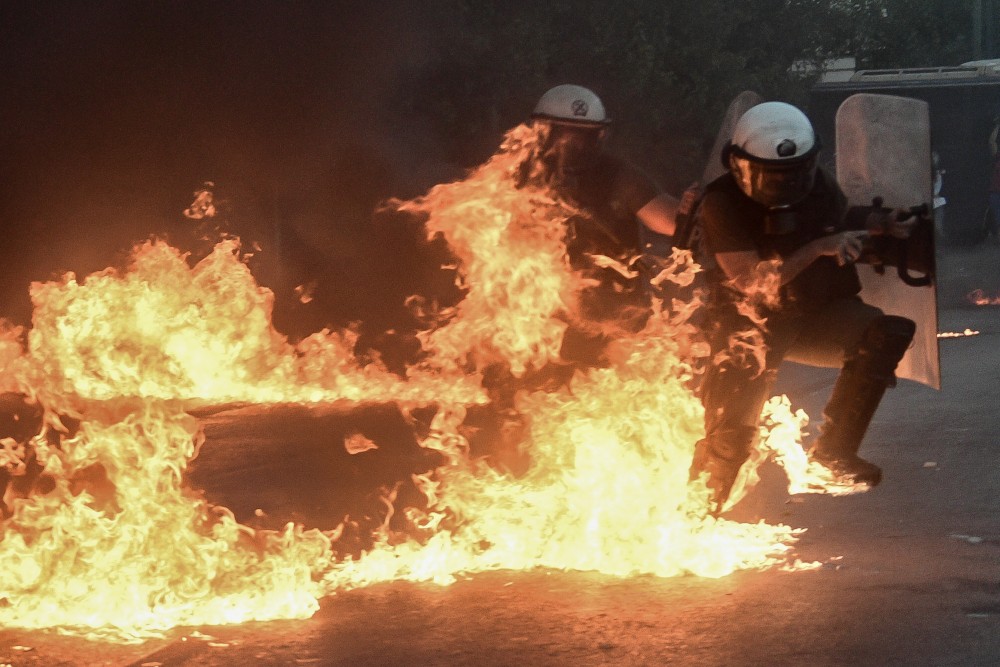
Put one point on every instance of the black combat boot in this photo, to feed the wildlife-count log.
(733, 395)
(845, 420)
(721, 455)
(868, 371)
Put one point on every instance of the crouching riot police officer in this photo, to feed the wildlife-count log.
(618, 203)
(775, 208)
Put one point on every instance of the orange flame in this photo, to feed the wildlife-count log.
(782, 433)
(137, 554)
(109, 543)
(511, 244)
(760, 293)
(201, 335)
(958, 334)
(980, 298)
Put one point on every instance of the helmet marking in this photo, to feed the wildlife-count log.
(786, 148)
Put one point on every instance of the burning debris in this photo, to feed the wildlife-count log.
(108, 541)
(357, 443)
(979, 298)
(957, 334)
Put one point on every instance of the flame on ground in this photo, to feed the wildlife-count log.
(958, 334)
(981, 298)
(108, 542)
(117, 549)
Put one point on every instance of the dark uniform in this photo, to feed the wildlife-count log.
(818, 319)
(609, 194)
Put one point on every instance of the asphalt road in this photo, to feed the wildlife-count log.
(911, 574)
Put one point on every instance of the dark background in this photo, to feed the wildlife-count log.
(305, 115)
(114, 113)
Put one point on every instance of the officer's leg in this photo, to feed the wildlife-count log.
(869, 368)
(733, 393)
(733, 398)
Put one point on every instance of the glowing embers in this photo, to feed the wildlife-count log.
(979, 297)
(957, 334)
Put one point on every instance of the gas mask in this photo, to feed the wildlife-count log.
(778, 186)
(570, 150)
(773, 158)
(772, 183)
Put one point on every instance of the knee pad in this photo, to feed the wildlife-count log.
(883, 343)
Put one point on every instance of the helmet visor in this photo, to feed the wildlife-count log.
(774, 183)
(571, 148)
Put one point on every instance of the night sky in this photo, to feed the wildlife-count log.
(114, 113)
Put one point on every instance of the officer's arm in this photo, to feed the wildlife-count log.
(739, 266)
(660, 214)
(878, 220)
(743, 266)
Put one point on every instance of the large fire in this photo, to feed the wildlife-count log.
(104, 539)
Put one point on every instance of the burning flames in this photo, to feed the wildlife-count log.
(118, 549)
(958, 334)
(107, 540)
(163, 331)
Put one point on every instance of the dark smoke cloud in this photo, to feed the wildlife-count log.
(114, 112)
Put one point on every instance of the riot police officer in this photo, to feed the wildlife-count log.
(779, 245)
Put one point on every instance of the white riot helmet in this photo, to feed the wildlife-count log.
(577, 127)
(571, 104)
(773, 154)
